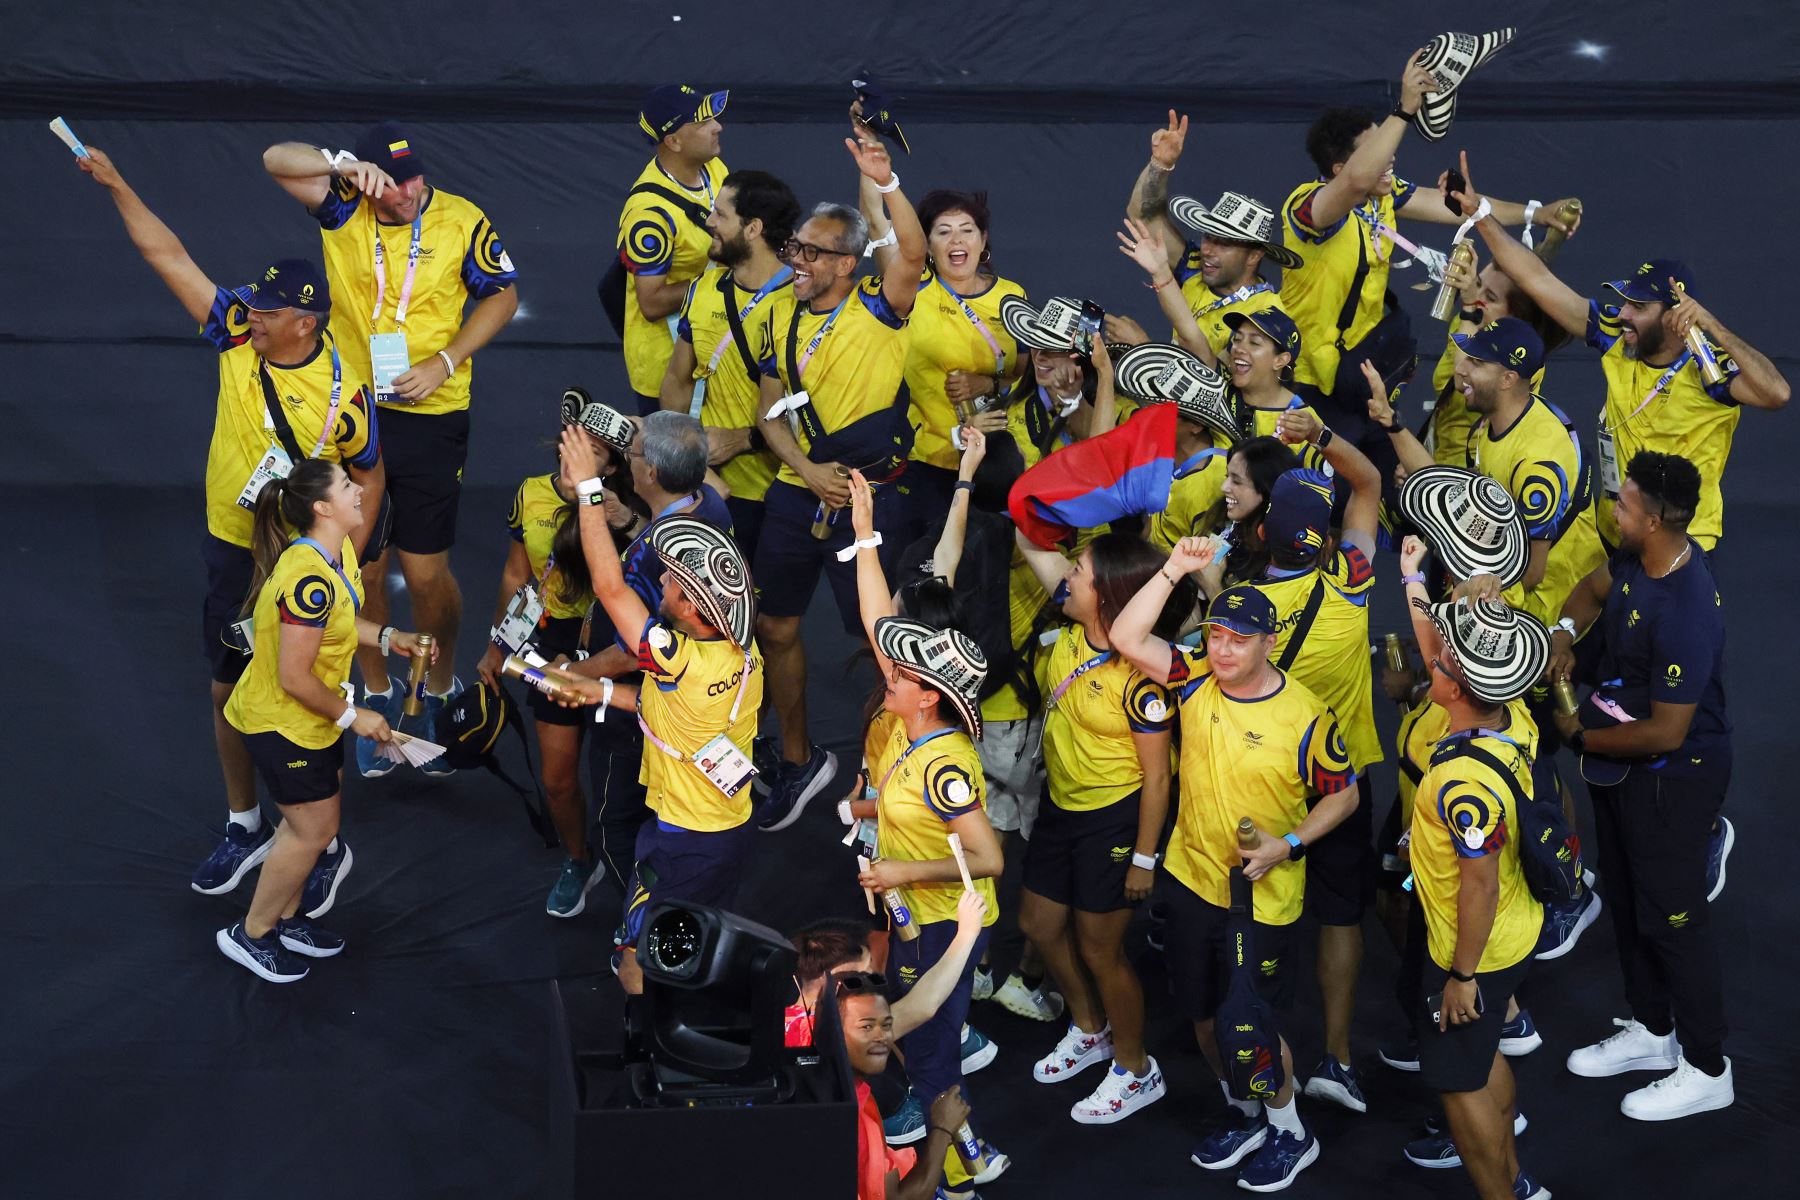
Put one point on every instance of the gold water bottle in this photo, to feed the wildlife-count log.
(1702, 350)
(821, 526)
(421, 673)
(1554, 237)
(1248, 836)
(1565, 697)
(1449, 301)
(1396, 653)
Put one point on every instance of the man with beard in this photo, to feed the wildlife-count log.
(730, 315)
(1657, 397)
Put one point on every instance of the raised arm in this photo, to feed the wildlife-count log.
(946, 556)
(1149, 201)
(622, 604)
(1138, 244)
(875, 213)
(874, 600)
(1560, 302)
(1427, 204)
(305, 172)
(934, 987)
(1411, 451)
(1375, 157)
(1131, 631)
(153, 239)
(1757, 384)
(1425, 632)
(900, 279)
(1050, 567)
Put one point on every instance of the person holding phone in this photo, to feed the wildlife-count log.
(1481, 920)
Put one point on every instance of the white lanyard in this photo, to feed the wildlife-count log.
(812, 346)
(1433, 260)
(412, 270)
(980, 326)
(775, 281)
(337, 397)
(1656, 389)
(1243, 293)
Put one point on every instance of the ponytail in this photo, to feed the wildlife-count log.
(284, 504)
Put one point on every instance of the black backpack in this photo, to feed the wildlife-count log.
(1249, 1039)
(1549, 851)
(614, 282)
(472, 724)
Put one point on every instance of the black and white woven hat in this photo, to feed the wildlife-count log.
(1237, 218)
(944, 659)
(1156, 372)
(602, 420)
(712, 573)
(1469, 521)
(1501, 651)
(1057, 326)
(1450, 57)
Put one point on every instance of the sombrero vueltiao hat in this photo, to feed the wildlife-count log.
(1469, 520)
(945, 660)
(602, 420)
(711, 570)
(1237, 218)
(1057, 326)
(1450, 57)
(1159, 373)
(1502, 651)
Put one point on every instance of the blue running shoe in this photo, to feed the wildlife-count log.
(1527, 1188)
(327, 876)
(369, 759)
(1280, 1160)
(434, 708)
(1332, 1080)
(1718, 849)
(1434, 1152)
(993, 1164)
(303, 937)
(798, 785)
(907, 1125)
(1402, 1055)
(237, 852)
(1226, 1146)
(977, 1050)
(1519, 1036)
(265, 956)
(569, 896)
(1565, 923)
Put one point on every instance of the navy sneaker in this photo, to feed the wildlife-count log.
(569, 895)
(1402, 1055)
(797, 786)
(1332, 1080)
(237, 852)
(323, 883)
(264, 956)
(303, 937)
(434, 708)
(1718, 849)
(767, 760)
(977, 1051)
(1280, 1160)
(993, 1165)
(369, 759)
(907, 1125)
(1565, 923)
(1240, 1134)
(1519, 1036)
(1435, 1151)
(1527, 1188)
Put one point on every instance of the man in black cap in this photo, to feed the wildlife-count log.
(663, 235)
(286, 392)
(406, 258)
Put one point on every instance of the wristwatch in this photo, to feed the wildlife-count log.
(1397, 425)
(1299, 847)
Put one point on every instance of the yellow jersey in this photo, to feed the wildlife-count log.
(1090, 754)
(1210, 309)
(243, 431)
(1025, 598)
(923, 787)
(1422, 727)
(851, 359)
(538, 511)
(951, 332)
(685, 701)
(1333, 656)
(1340, 293)
(1463, 808)
(1036, 427)
(1671, 410)
(657, 238)
(1264, 422)
(1452, 421)
(1539, 461)
(1196, 490)
(460, 258)
(731, 372)
(306, 588)
(1266, 759)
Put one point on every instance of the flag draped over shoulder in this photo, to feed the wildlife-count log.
(1123, 471)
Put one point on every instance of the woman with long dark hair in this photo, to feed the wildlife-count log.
(1250, 474)
(290, 703)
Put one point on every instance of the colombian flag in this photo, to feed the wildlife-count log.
(399, 149)
(1123, 471)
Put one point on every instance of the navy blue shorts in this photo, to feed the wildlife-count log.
(554, 636)
(228, 572)
(683, 864)
(746, 525)
(1197, 951)
(424, 454)
(1341, 866)
(789, 558)
(1080, 858)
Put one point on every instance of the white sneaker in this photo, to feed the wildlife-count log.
(1686, 1092)
(984, 985)
(1076, 1052)
(1119, 1095)
(1035, 1003)
(1633, 1048)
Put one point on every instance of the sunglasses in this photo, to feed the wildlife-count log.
(795, 248)
(860, 983)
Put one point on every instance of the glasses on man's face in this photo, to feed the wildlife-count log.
(795, 248)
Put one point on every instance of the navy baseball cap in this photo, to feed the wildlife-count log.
(1276, 325)
(1509, 341)
(1243, 610)
(673, 105)
(387, 146)
(290, 283)
(1299, 516)
(1649, 284)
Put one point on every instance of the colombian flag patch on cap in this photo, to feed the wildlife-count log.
(399, 149)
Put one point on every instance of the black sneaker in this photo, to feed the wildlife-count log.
(327, 876)
(766, 758)
(799, 784)
(264, 957)
(303, 937)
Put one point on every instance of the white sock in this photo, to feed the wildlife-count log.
(1285, 1119)
(332, 849)
(386, 693)
(445, 694)
(1247, 1107)
(251, 821)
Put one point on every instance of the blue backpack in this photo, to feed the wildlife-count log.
(1549, 851)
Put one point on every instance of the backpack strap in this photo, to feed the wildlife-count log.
(690, 208)
(1304, 625)
(536, 810)
(729, 290)
(1490, 760)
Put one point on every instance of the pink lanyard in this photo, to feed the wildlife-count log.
(980, 326)
(672, 752)
(412, 270)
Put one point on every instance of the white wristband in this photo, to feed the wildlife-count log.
(449, 363)
(892, 184)
(1143, 862)
(589, 486)
(886, 239)
(386, 639)
(347, 717)
(334, 161)
(844, 813)
(606, 691)
(870, 542)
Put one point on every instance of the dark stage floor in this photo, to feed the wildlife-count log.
(134, 1060)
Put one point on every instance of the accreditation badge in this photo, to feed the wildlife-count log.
(274, 464)
(523, 612)
(388, 360)
(725, 766)
(1608, 454)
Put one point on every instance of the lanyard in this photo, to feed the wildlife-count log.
(1243, 293)
(412, 270)
(1100, 659)
(736, 702)
(1656, 389)
(705, 184)
(798, 365)
(907, 753)
(777, 280)
(979, 324)
(1193, 464)
(331, 413)
(355, 599)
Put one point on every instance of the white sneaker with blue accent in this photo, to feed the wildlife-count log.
(1120, 1094)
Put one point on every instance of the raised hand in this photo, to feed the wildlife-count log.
(1166, 144)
